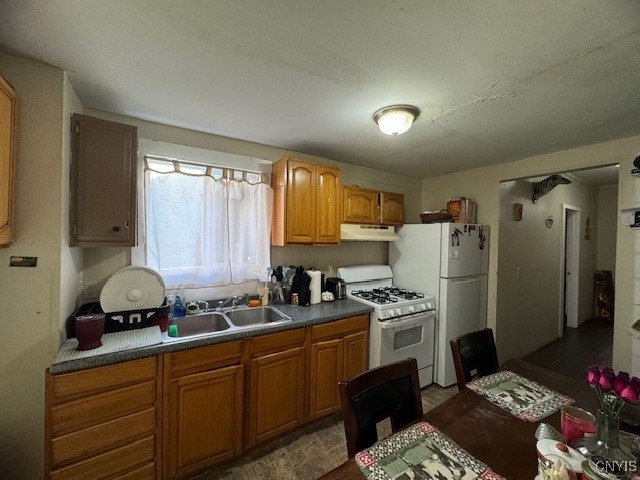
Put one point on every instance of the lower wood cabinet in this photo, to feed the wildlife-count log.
(276, 392)
(102, 423)
(203, 407)
(338, 352)
(176, 414)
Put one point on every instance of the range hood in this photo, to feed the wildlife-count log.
(371, 233)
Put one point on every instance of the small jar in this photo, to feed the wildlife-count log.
(294, 299)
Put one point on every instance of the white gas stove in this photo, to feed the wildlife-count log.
(402, 324)
(393, 302)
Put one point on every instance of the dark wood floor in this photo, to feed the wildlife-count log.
(589, 344)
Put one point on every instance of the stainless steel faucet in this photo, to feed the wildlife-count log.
(231, 300)
(235, 301)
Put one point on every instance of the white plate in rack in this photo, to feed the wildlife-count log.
(132, 288)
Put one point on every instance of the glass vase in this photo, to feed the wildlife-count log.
(606, 443)
(609, 434)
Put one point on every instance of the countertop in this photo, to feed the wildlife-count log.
(301, 317)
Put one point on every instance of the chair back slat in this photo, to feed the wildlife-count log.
(474, 354)
(390, 391)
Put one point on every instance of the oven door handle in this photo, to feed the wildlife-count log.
(407, 322)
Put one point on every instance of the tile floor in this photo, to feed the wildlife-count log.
(310, 452)
(320, 446)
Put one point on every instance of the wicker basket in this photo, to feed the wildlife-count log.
(436, 217)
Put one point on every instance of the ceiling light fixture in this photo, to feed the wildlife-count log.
(395, 119)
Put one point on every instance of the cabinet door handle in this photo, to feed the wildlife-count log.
(116, 228)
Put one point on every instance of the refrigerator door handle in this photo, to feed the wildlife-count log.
(464, 279)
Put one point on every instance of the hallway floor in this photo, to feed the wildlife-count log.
(319, 447)
(590, 344)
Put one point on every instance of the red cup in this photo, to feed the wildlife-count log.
(89, 330)
(575, 423)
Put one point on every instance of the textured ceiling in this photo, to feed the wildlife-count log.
(495, 80)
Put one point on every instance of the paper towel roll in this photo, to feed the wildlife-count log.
(316, 290)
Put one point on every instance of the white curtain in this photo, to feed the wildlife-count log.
(206, 226)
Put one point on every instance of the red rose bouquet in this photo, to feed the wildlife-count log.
(613, 390)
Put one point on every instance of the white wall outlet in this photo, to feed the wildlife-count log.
(518, 273)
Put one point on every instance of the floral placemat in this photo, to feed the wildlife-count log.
(523, 398)
(421, 451)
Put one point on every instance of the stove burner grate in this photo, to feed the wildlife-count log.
(402, 293)
(377, 295)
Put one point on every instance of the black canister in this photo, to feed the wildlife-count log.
(304, 297)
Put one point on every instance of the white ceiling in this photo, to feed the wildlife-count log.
(597, 177)
(495, 80)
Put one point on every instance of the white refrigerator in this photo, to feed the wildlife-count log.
(450, 262)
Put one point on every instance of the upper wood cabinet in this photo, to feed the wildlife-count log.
(307, 204)
(372, 207)
(8, 112)
(103, 183)
(391, 208)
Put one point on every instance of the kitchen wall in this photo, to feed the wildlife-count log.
(100, 263)
(607, 219)
(483, 185)
(35, 301)
(530, 279)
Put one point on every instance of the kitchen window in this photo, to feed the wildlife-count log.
(206, 226)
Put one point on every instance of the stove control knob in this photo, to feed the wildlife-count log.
(411, 309)
(398, 311)
(423, 306)
(388, 313)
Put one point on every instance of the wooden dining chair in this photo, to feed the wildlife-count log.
(474, 353)
(390, 391)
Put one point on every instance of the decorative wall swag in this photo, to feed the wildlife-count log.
(543, 187)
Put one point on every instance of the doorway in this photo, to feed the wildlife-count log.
(547, 254)
(570, 268)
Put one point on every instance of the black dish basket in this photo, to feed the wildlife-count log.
(120, 321)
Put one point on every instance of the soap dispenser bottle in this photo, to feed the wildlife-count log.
(179, 308)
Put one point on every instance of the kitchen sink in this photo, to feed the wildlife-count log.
(197, 325)
(220, 322)
(256, 316)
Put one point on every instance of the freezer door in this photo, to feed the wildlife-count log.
(465, 250)
(463, 309)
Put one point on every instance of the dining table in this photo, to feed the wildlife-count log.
(492, 435)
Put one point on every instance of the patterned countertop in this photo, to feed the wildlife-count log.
(145, 343)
